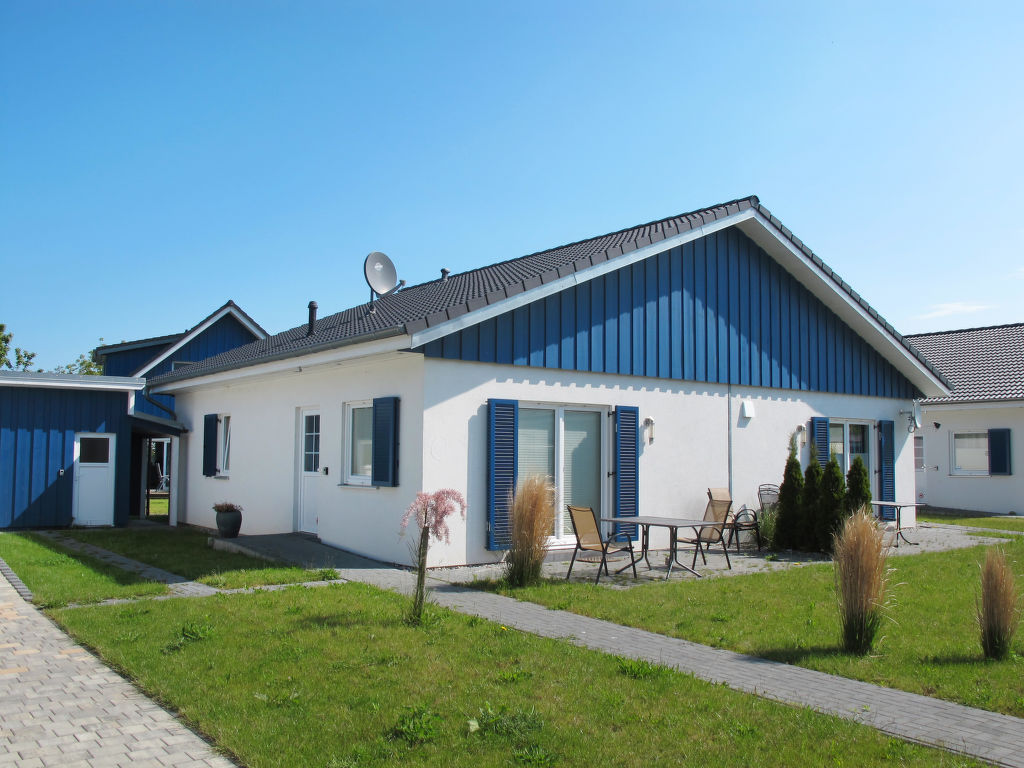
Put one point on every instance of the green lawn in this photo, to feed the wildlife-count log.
(333, 677)
(158, 510)
(185, 551)
(1002, 522)
(57, 577)
(930, 645)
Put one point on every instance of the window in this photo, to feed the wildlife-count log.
(94, 450)
(919, 453)
(216, 444)
(358, 442)
(848, 441)
(565, 446)
(311, 442)
(371, 442)
(980, 452)
(225, 444)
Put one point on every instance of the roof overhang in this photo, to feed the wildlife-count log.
(229, 309)
(780, 245)
(155, 425)
(71, 381)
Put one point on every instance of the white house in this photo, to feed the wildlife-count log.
(964, 449)
(637, 369)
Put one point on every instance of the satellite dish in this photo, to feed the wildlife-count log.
(917, 416)
(380, 273)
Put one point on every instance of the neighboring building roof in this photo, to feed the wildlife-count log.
(69, 381)
(982, 364)
(167, 345)
(427, 305)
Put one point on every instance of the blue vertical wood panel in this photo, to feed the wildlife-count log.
(625, 307)
(638, 338)
(700, 290)
(611, 323)
(676, 327)
(597, 324)
(469, 348)
(718, 310)
(582, 347)
(552, 330)
(689, 321)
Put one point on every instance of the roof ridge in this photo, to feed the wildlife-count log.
(965, 330)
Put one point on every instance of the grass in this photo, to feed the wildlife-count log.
(998, 522)
(335, 678)
(928, 644)
(184, 551)
(57, 577)
(158, 510)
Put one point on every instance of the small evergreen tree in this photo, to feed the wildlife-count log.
(790, 492)
(858, 486)
(810, 506)
(832, 507)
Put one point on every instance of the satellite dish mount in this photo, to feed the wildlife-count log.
(381, 276)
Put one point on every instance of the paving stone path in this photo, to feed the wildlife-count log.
(61, 706)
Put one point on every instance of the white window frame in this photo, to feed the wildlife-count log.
(955, 471)
(223, 445)
(347, 420)
(922, 465)
(561, 536)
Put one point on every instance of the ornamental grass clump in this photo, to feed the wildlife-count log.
(859, 559)
(998, 609)
(533, 514)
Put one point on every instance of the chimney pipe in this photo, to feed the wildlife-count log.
(312, 319)
(444, 274)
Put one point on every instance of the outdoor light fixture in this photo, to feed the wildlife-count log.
(649, 426)
(747, 409)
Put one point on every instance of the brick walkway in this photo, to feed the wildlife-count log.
(61, 706)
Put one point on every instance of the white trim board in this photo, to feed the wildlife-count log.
(64, 381)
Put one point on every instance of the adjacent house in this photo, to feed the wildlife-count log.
(75, 450)
(636, 369)
(964, 449)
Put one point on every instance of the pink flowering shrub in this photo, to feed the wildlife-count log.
(432, 510)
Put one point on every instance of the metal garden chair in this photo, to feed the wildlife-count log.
(588, 539)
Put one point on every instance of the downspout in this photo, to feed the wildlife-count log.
(160, 405)
(729, 390)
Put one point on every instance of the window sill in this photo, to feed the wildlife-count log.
(365, 486)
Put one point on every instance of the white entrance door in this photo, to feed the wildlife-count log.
(309, 469)
(93, 496)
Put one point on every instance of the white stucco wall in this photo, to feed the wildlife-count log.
(690, 451)
(265, 459)
(940, 488)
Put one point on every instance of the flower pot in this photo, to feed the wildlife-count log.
(229, 523)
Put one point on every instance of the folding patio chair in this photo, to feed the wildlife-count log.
(717, 510)
(588, 538)
(747, 519)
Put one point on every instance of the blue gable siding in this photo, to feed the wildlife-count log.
(128, 362)
(37, 440)
(718, 309)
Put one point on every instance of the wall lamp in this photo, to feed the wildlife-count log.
(649, 428)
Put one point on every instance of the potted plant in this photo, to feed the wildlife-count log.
(229, 519)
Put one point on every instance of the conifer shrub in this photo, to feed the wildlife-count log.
(832, 504)
(787, 519)
(860, 577)
(810, 505)
(858, 486)
(998, 608)
(533, 514)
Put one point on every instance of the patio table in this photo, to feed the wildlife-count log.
(646, 522)
(899, 507)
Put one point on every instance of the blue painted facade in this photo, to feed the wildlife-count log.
(225, 334)
(37, 440)
(717, 310)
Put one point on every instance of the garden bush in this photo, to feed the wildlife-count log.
(810, 505)
(831, 505)
(858, 486)
(998, 609)
(787, 518)
(533, 514)
(860, 576)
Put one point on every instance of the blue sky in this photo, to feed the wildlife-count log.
(157, 159)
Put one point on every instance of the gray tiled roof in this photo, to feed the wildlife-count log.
(980, 363)
(428, 304)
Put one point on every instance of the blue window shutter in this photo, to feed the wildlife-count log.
(819, 435)
(627, 468)
(502, 452)
(999, 452)
(384, 463)
(887, 467)
(210, 444)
